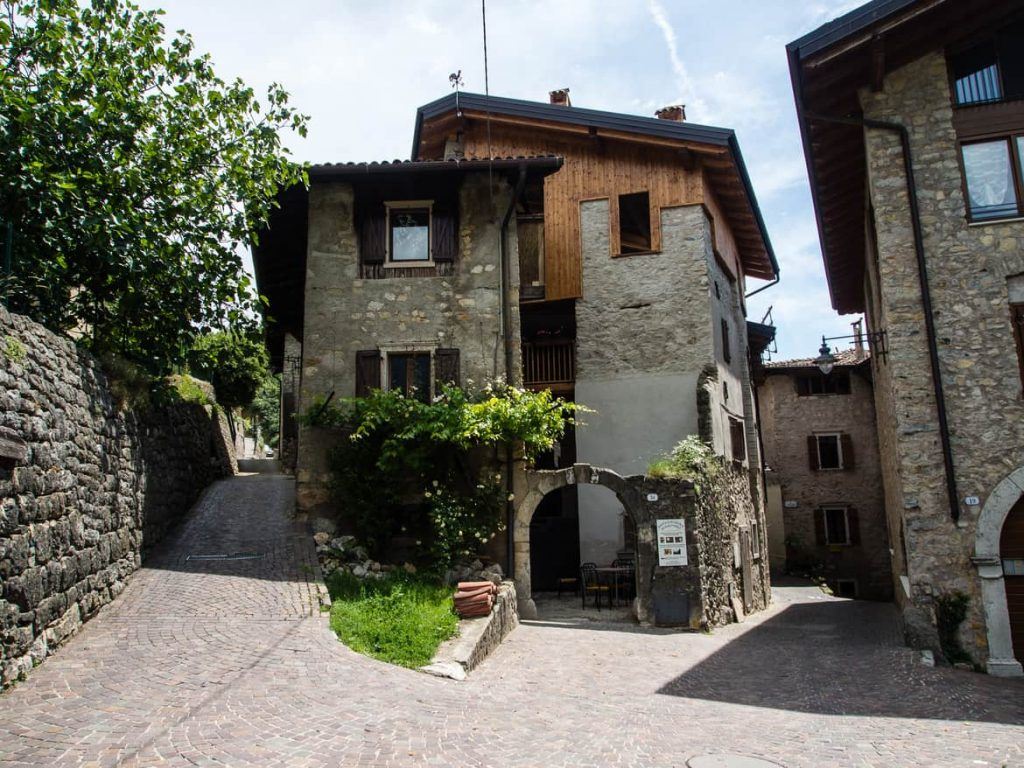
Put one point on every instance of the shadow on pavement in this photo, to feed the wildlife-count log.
(843, 657)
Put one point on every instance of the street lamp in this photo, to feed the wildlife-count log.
(825, 360)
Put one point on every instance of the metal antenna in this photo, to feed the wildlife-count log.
(455, 78)
(487, 93)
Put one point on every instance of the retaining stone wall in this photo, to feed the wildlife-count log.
(93, 486)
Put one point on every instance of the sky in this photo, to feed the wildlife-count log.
(360, 70)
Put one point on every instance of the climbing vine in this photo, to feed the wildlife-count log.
(423, 470)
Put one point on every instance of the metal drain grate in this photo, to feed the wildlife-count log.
(232, 556)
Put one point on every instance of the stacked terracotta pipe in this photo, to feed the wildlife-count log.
(474, 598)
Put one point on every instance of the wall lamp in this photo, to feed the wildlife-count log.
(826, 361)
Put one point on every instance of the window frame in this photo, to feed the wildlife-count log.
(825, 509)
(737, 426)
(839, 450)
(835, 378)
(1016, 171)
(650, 223)
(389, 205)
(385, 378)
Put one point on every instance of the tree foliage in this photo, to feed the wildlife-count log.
(236, 365)
(132, 175)
(417, 468)
(265, 408)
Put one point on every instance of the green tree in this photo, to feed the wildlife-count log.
(133, 176)
(234, 363)
(265, 409)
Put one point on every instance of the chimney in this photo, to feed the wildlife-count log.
(675, 113)
(560, 97)
(858, 338)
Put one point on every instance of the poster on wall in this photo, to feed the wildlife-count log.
(672, 542)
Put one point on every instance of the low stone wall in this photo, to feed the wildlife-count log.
(477, 638)
(85, 487)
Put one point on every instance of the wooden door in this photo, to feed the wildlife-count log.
(748, 570)
(1011, 550)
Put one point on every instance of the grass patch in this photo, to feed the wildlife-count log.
(400, 619)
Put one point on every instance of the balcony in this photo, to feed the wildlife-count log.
(549, 364)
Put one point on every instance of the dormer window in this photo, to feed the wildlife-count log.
(408, 232)
(992, 70)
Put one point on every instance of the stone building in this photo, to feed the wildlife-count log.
(603, 256)
(825, 508)
(913, 125)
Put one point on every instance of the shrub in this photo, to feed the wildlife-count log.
(950, 611)
(234, 363)
(690, 459)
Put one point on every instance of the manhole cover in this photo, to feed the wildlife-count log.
(232, 556)
(730, 761)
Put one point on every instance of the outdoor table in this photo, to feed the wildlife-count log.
(613, 572)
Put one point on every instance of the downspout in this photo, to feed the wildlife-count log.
(926, 298)
(506, 333)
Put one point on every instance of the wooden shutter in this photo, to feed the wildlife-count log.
(853, 525)
(819, 527)
(726, 349)
(446, 368)
(847, 443)
(373, 236)
(812, 453)
(445, 234)
(367, 371)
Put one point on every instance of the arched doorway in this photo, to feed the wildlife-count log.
(1011, 551)
(998, 553)
(539, 484)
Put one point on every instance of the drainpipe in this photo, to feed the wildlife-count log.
(764, 287)
(506, 333)
(926, 297)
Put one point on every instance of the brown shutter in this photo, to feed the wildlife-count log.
(853, 525)
(372, 236)
(819, 527)
(446, 368)
(367, 371)
(445, 232)
(847, 442)
(812, 453)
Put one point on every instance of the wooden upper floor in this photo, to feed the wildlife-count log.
(641, 165)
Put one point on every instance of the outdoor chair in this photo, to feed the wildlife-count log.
(590, 585)
(626, 581)
(568, 582)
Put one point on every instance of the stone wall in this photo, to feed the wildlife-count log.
(968, 266)
(787, 420)
(91, 487)
(345, 314)
(647, 327)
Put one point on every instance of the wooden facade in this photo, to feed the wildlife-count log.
(673, 173)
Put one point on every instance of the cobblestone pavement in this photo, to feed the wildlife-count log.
(215, 663)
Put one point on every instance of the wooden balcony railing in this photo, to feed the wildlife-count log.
(549, 363)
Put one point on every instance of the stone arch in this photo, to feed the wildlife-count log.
(538, 484)
(987, 560)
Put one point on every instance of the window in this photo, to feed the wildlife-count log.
(836, 525)
(408, 232)
(830, 450)
(992, 70)
(409, 372)
(829, 453)
(530, 236)
(755, 539)
(726, 349)
(737, 439)
(836, 383)
(993, 189)
(634, 223)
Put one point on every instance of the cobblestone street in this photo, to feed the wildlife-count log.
(227, 662)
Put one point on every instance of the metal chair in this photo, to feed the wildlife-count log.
(565, 582)
(589, 584)
(627, 579)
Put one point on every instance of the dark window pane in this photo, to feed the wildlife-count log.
(398, 366)
(976, 75)
(421, 378)
(1010, 43)
(835, 526)
(990, 190)
(410, 234)
(828, 451)
(634, 223)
